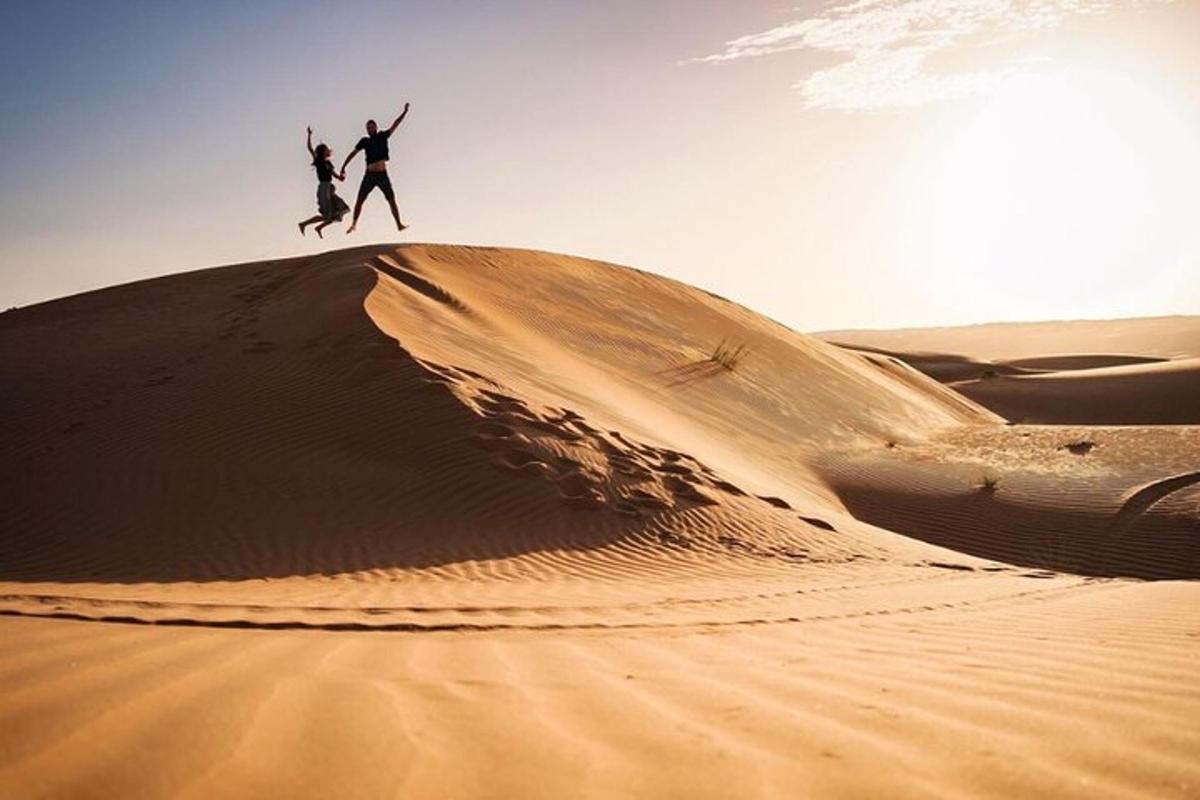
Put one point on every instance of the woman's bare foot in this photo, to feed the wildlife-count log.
(301, 228)
(319, 234)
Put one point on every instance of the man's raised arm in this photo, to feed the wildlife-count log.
(399, 119)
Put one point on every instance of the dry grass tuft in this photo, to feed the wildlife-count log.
(728, 356)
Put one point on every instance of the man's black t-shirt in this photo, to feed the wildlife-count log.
(375, 146)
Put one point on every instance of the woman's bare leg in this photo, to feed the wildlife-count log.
(321, 227)
(310, 221)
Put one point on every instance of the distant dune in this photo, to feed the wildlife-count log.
(443, 521)
(1160, 337)
(1153, 379)
(1157, 393)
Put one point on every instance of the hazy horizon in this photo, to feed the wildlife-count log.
(891, 163)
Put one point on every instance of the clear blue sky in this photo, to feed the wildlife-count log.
(145, 138)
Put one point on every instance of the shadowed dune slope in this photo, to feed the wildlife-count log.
(1069, 361)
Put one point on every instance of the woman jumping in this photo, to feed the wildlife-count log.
(332, 207)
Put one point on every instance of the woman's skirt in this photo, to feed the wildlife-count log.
(332, 207)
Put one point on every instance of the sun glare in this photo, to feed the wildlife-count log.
(1064, 188)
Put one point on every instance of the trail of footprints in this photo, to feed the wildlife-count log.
(626, 476)
(253, 295)
(237, 322)
(593, 469)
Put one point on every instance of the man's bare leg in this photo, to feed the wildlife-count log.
(396, 214)
(358, 204)
(354, 222)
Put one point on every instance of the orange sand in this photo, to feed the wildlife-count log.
(461, 522)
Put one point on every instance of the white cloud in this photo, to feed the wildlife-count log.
(887, 45)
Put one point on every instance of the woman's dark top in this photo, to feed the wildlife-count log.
(324, 170)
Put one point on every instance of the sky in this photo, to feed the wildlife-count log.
(842, 164)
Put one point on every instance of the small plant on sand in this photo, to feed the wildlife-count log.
(989, 483)
(728, 356)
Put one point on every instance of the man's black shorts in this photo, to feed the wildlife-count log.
(371, 180)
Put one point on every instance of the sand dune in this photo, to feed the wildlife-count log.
(1158, 337)
(1155, 381)
(1158, 393)
(1069, 498)
(944, 367)
(438, 521)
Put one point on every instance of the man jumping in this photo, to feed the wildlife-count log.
(375, 144)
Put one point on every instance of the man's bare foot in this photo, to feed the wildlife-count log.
(401, 226)
(350, 230)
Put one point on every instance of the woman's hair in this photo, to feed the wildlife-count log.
(320, 153)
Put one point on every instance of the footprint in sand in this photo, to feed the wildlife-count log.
(524, 462)
(575, 483)
(497, 436)
(626, 509)
(728, 488)
(593, 500)
(644, 499)
(778, 502)
(628, 467)
(682, 490)
(494, 429)
(582, 427)
(580, 492)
